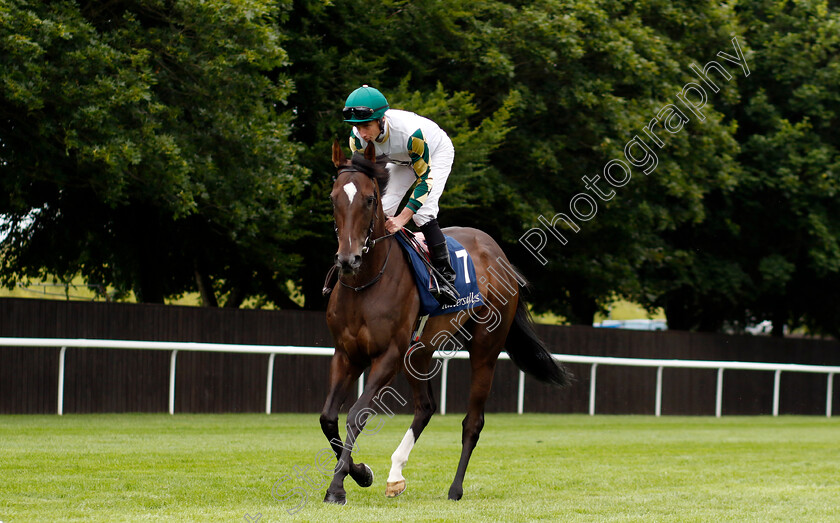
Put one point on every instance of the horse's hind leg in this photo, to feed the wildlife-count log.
(482, 378)
(424, 407)
(342, 375)
(382, 372)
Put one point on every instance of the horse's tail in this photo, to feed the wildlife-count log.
(529, 353)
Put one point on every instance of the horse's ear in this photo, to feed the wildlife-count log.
(338, 157)
(370, 152)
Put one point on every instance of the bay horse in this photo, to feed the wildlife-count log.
(372, 312)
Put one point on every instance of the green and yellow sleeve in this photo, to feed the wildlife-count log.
(355, 143)
(418, 151)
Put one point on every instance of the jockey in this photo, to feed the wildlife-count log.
(418, 151)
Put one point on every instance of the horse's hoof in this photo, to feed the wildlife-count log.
(337, 499)
(455, 494)
(365, 479)
(395, 488)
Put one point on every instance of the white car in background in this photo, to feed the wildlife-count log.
(636, 325)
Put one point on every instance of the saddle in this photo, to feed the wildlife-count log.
(426, 277)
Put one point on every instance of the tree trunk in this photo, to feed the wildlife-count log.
(779, 318)
(314, 272)
(678, 316)
(205, 289)
(149, 288)
(235, 298)
(275, 293)
(583, 309)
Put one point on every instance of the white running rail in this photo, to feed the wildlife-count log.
(272, 350)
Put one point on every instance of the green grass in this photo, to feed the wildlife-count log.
(129, 467)
(51, 289)
(618, 310)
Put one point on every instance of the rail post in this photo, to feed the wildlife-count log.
(172, 381)
(777, 379)
(61, 380)
(269, 382)
(658, 408)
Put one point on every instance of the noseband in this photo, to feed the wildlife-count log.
(368, 243)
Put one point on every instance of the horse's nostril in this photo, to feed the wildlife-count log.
(348, 262)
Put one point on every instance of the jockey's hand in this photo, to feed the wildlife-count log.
(397, 222)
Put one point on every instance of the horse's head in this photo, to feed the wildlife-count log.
(357, 206)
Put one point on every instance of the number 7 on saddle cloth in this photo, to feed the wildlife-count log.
(465, 281)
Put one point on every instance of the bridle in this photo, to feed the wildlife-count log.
(368, 243)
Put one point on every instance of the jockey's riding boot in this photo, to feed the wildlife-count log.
(447, 294)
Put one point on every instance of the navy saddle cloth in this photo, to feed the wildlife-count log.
(465, 282)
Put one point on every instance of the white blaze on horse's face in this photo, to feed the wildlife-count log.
(353, 218)
(350, 190)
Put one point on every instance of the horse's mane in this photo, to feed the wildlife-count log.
(376, 170)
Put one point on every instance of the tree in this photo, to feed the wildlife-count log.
(145, 146)
(768, 249)
(168, 146)
(592, 75)
(330, 59)
(560, 87)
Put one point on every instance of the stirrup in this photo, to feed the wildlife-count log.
(444, 292)
(446, 296)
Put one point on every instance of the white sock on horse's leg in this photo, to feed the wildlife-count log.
(400, 457)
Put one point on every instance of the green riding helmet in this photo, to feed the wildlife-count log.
(364, 105)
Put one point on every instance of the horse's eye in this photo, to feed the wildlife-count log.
(370, 201)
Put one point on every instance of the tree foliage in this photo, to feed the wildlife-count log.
(167, 146)
(769, 248)
(563, 85)
(142, 145)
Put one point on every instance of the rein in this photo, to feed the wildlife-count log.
(373, 281)
(368, 244)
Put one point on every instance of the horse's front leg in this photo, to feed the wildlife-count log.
(382, 371)
(424, 407)
(342, 375)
